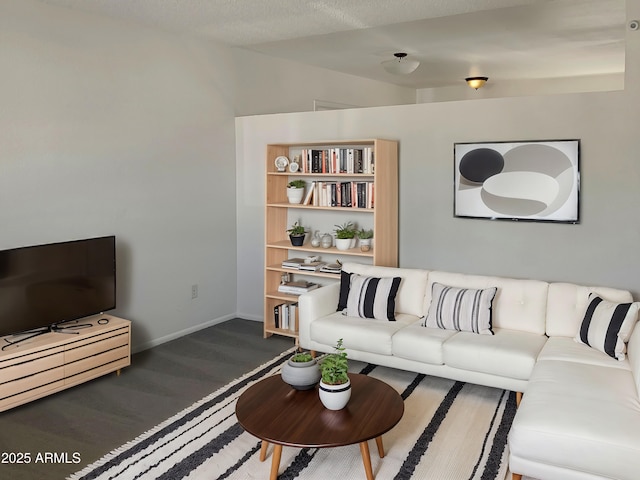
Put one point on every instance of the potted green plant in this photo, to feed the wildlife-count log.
(301, 371)
(295, 191)
(335, 386)
(365, 237)
(296, 234)
(345, 236)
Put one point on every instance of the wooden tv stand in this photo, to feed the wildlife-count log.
(52, 362)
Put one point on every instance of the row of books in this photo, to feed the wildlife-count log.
(285, 316)
(338, 160)
(340, 194)
(317, 266)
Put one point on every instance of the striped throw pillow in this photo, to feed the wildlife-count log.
(461, 309)
(372, 297)
(607, 326)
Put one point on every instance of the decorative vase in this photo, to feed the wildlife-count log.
(297, 240)
(327, 241)
(294, 195)
(335, 397)
(365, 244)
(315, 240)
(301, 375)
(344, 243)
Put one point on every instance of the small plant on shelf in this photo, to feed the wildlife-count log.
(296, 234)
(295, 191)
(364, 234)
(334, 366)
(345, 236)
(365, 237)
(345, 231)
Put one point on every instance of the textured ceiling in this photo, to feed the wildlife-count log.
(503, 39)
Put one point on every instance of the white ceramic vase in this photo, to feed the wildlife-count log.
(301, 375)
(335, 397)
(294, 195)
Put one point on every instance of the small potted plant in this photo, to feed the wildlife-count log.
(301, 371)
(345, 236)
(295, 191)
(335, 386)
(296, 235)
(365, 237)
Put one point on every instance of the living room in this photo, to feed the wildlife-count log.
(160, 139)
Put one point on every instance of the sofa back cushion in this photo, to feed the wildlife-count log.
(413, 285)
(518, 304)
(568, 302)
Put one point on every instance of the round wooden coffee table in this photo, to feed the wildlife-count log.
(276, 413)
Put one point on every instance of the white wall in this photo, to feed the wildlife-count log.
(602, 249)
(272, 85)
(110, 128)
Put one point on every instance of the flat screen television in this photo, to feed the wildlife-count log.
(43, 287)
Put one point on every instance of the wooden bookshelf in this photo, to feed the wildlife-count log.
(280, 215)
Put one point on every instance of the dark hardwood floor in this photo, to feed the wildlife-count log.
(64, 432)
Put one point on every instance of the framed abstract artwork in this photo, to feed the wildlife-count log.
(528, 180)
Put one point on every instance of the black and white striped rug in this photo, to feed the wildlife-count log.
(450, 430)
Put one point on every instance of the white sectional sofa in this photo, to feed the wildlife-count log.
(580, 414)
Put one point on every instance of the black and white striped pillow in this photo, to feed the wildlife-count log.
(606, 326)
(372, 297)
(461, 309)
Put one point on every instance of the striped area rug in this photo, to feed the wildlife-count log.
(450, 430)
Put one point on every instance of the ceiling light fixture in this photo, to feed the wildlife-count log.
(400, 65)
(476, 82)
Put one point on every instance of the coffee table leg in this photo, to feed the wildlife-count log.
(275, 462)
(380, 446)
(263, 450)
(366, 460)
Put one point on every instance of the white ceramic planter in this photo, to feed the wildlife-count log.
(335, 397)
(301, 375)
(294, 195)
(345, 243)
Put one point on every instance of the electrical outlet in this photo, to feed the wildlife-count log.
(194, 291)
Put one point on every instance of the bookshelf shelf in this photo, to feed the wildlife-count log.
(378, 156)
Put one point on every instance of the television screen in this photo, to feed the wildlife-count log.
(44, 285)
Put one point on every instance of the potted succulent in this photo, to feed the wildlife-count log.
(301, 371)
(295, 191)
(335, 386)
(296, 235)
(365, 237)
(345, 236)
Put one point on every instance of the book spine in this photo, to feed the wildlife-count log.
(276, 316)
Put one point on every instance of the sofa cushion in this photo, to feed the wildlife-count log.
(461, 309)
(568, 302)
(606, 326)
(372, 297)
(365, 334)
(568, 350)
(508, 353)
(420, 343)
(411, 293)
(518, 304)
(580, 417)
(633, 354)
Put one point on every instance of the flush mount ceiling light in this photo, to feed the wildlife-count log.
(476, 82)
(400, 65)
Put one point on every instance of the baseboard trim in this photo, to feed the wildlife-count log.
(181, 333)
(249, 316)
